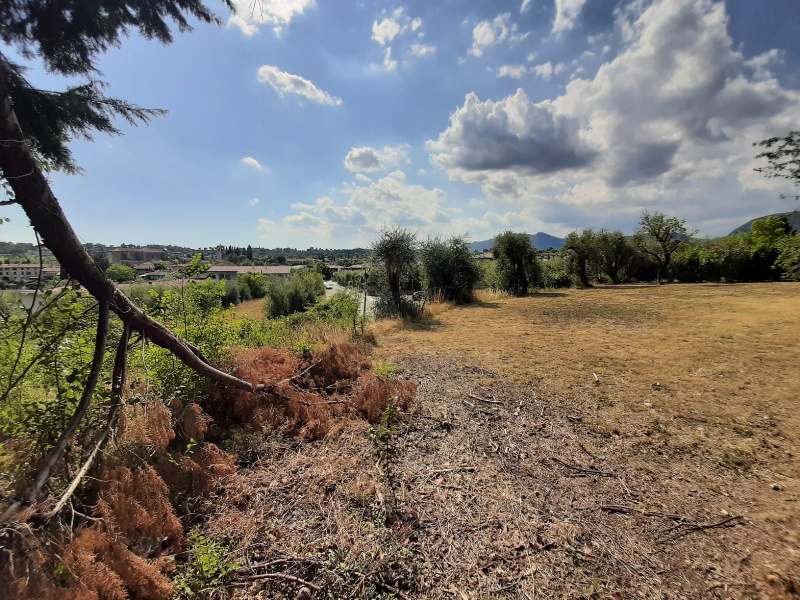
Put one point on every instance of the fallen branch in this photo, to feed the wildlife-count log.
(693, 527)
(384, 586)
(32, 192)
(581, 469)
(646, 513)
(283, 577)
(474, 397)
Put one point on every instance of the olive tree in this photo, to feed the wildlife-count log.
(395, 249)
(515, 262)
(580, 249)
(659, 237)
(614, 253)
(450, 270)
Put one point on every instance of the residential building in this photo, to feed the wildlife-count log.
(17, 272)
(229, 273)
(135, 256)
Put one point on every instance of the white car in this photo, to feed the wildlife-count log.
(328, 285)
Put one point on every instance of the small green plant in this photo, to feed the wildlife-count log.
(384, 437)
(305, 347)
(737, 458)
(207, 568)
(383, 368)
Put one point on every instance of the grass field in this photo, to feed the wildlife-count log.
(686, 394)
(615, 442)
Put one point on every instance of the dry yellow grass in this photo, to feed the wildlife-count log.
(717, 352)
(252, 309)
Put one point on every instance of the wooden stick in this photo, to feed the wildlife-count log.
(284, 577)
(474, 397)
(582, 470)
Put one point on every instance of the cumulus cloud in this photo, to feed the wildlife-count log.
(513, 133)
(389, 30)
(370, 160)
(276, 13)
(489, 33)
(513, 71)
(386, 30)
(668, 123)
(252, 163)
(254, 202)
(288, 83)
(567, 12)
(545, 71)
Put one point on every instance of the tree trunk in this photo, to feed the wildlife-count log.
(32, 192)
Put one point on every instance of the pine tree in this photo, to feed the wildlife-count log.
(68, 36)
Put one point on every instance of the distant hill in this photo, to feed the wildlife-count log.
(541, 241)
(793, 217)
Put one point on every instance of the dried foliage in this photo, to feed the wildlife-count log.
(305, 397)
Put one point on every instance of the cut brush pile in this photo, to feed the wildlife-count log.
(161, 475)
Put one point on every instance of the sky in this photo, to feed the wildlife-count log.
(315, 123)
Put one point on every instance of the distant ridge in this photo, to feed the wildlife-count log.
(793, 217)
(541, 241)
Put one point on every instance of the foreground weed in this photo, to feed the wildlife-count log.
(207, 568)
(384, 368)
(384, 438)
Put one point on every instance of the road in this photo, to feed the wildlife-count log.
(370, 299)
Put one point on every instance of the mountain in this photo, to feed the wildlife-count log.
(793, 217)
(541, 241)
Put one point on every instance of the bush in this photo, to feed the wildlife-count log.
(788, 261)
(556, 273)
(120, 273)
(450, 270)
(292, 295)
(255, 283)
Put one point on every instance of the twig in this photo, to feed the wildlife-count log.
(384, 586)
(284, 577)
(691, 528)
(582, 470)
(629, 510)
(474, 397)
(453, 469)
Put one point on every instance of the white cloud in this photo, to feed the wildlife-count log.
(251, 162)
(421, 49)
(288, 83)
(266, 226)
(489, 33)
(531, 57)
(370, 160)
(513, 71)
(526, 5)
(277, 13)
(362, 178)
(667, 124)
(567, 12)
(385, 31)
(545, 71)
(254, 202)
(389, 30)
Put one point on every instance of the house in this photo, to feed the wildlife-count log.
(143, 267)
(354, 268)
(153, 276)
(17, 272)
(230, 273)
(134, 256)
(484, 256)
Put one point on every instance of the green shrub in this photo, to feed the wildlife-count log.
(292, 295)
(450, 270)
(120, 273)
(556, 273)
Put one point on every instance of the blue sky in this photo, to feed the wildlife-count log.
(314, 123)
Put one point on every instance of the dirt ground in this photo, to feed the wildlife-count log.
(625, 442)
